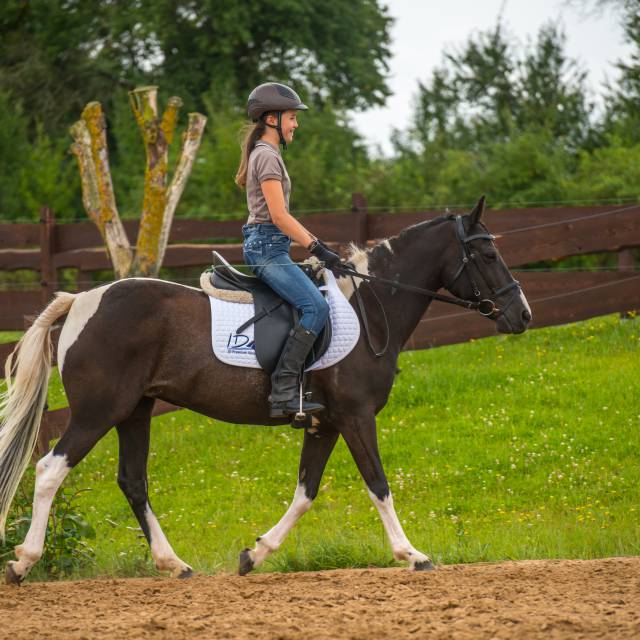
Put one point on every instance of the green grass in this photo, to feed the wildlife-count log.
(510, 447)
(10, 336)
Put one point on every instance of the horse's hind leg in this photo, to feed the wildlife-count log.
(133, 434)
(50, 472)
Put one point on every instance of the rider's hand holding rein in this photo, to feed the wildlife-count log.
(320, 250)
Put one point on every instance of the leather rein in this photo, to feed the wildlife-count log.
(484, 306)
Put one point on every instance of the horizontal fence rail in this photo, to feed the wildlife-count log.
(524, 236)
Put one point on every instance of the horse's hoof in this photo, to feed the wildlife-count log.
(246, 563)
(185, 573)
(425, 565)
(11, 577)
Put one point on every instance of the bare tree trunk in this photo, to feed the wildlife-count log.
(157, 135)
(90, 149)
(190, 143)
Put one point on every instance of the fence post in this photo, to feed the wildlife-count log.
(359, 208)
(627, 262)
(48, 274)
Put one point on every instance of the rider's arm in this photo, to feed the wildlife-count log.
(274, 197)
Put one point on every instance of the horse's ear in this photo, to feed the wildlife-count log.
(477, 212)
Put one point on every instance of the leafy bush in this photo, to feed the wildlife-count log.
(66, 549)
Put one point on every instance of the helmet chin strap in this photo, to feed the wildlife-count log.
(278, 128)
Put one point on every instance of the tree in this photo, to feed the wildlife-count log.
(160, 200)
(337, 49)
(495, 117)
(34, 169)
(622, 116)
(56, 55)
(487, 92)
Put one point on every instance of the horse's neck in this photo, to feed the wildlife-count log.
(416, 262)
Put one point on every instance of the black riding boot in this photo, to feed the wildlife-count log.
(285, 380)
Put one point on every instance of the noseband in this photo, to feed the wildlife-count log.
(484, 306)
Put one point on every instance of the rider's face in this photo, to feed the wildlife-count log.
(289, 123)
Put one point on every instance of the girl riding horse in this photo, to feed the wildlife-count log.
(268, 233)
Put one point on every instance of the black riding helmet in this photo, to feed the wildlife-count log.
(276, 97)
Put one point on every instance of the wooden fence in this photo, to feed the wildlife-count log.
(526, 236)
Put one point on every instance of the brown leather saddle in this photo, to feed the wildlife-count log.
(274, 317)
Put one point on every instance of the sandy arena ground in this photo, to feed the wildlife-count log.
(534, 599)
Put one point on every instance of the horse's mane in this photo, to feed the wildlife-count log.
(387, 245)
(382, 252)
(408, 231)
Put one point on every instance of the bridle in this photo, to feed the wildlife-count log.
(469, 263)
(484, 306)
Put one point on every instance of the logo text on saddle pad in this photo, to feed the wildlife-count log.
(239, 342)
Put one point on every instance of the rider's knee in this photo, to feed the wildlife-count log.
(322, 309)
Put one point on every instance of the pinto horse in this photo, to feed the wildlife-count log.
(125, 344)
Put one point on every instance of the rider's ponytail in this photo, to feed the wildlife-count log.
(252, 134)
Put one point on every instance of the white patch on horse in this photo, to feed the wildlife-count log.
(359, 258)
(400, 546)
(360, 261)
(385, 243)
(50, 472)
(162, 552)
(85, 306)
(271, 541)
(525, 302)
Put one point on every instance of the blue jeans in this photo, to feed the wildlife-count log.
(266, 251)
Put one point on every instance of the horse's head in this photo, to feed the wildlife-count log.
(474, 270)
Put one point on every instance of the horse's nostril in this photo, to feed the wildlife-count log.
(526, 315)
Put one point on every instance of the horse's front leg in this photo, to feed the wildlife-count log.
(316, 450)
(361, 438)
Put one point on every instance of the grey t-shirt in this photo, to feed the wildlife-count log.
(265, 163)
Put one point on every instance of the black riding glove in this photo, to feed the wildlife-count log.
(324, 254)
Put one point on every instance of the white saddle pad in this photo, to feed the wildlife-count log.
(239, 349)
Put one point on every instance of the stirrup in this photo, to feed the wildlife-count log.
(286, 408)
(301, 415)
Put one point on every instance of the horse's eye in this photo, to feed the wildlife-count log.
(491, 255)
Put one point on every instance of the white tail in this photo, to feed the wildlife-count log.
(21, 405)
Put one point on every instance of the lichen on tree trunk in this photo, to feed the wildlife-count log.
(159, 202)
(90, 148)
(190, 144)
(157, 135)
